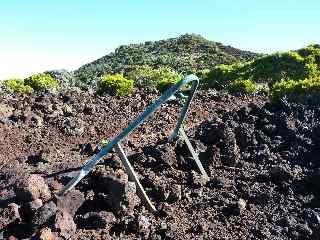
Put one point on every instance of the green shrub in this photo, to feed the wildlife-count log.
(143, 76)
(17, 86)
(165, 84)
(222, 75)
(65, 78)
(42, 82)
(115, 84)
(269, 69)
(242, 86)
(166, 78)
(272, 68)
(303, 91)
(203, 76)
(147, 76)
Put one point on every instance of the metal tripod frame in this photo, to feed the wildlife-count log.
(115, 143)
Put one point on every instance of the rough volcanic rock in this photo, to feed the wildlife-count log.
(276, 171)
(31, 188)
(96, 220)
(71, 201)
(230, 152)
(9, 214)
(244, 134)
(45, 234)
(44, 214)
(64, 224)
(121, 193)
(30, 208)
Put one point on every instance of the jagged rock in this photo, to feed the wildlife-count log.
(73, 127)
(30, 208)
(67, 110)
(64, 224)
(45, 156)
(280, 173)
(31, 188)
(71, 201)
(175, 193)
(241, 206)
(312, 217)
(88, 149)
(9, 215)
(37, 120)
(5, 111)
(44, 214)
(55, 186)
(89, 109)
(198, 180)
(159, 157)
(45, 234)
(209, 132)
(121, 193)
(230, 152)
(301, 231)
(217, 183)
(244, 134)
(263, 154)
(96, 220)
(144, 225)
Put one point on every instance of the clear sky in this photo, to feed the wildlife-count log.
(38, 35)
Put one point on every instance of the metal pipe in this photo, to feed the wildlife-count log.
(90, 164)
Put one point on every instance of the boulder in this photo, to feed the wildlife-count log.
(45, 234)
(31, 188)
(71, 201)
(64, 224)
(9, 215)
(44, 214)
(96, 220)
(121, 194)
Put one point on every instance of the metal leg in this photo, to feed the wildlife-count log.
(133, 177)
(90, 164)
(193, 153)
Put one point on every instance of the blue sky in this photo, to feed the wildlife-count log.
(38, 35)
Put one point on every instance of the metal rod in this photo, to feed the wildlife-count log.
(133, 177)
(90, 164)
(193, 152)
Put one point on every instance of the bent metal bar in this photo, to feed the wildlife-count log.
(115, 143)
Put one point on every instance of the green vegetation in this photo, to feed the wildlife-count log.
(115, 84)
(222, 75)
(161, 78)
(42, 82)
(66, 79)
(165, 84)
(17, 86)
(166, 78)
(294, 74)
(242, 86)
(143, 76)
(303, 91)
(292, 65)
(203, 76)
(183, 54)
(146, 76)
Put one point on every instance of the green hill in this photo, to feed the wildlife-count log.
(183, 54)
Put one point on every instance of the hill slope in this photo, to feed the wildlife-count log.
(182, 54)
